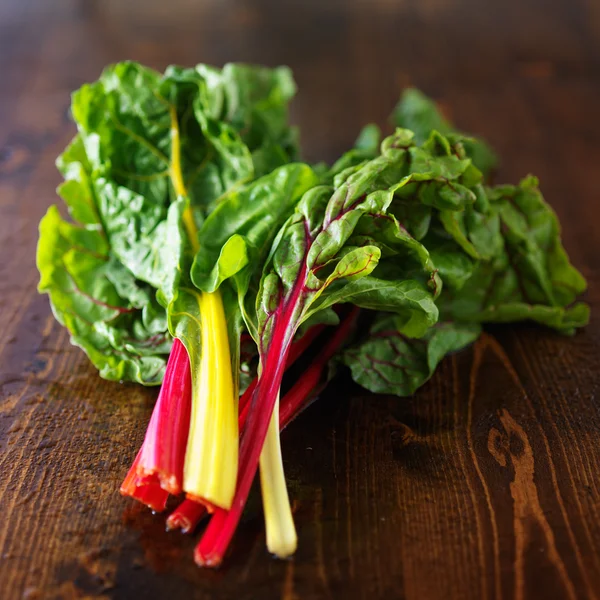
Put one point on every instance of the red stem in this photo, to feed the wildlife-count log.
(216, 539)
(298, 348)
(186, 516)
(146, 489)
(310, 381)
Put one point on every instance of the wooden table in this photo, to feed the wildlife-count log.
(484, 485)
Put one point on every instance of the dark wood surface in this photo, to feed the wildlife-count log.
(484, 485)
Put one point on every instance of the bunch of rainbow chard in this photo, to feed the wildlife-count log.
(201, 255)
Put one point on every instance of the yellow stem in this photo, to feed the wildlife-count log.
(211, 458)
(279, 522)
(177, 179)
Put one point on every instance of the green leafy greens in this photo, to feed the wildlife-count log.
(195, 233)
(126, 243)
(438, 242)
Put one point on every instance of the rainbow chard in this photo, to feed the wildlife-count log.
(328, 252)
(194, 243)
(232, 243)
(144, 142)
(153, 155)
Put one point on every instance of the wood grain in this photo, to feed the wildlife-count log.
(482, 486)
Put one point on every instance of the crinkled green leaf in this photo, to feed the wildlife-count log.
(110, 315)
(126, 123)
(316, 262)
(240, 230)
(137, 130)
(453, 222)
(418, 113)
(454, 266)
(255, 101)
(530, 277)
(76, 191)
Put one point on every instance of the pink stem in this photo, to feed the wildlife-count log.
(163, 451)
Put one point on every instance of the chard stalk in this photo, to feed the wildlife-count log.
(189, 513)
(186, 516)
(146, 489)
(217, 537)
(210, 469)
(279, 522)
(211, 457)
(163, 450)
(161, 458)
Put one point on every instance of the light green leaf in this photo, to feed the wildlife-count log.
(114, 320)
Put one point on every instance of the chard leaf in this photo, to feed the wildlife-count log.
(239, 232)
(316, 262)
(388, 362)
(454, 266)
(143, 137)
(255, 102)
(440, 187)
(418, 113)
(414, 216)
(453, 222)
(185, 321)
(134, 123)
(531, 277)
(110, 315)
(77, 191)
(412, 302)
